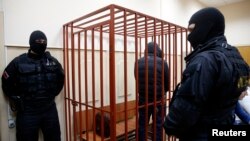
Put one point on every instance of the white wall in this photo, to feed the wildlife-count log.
(178, 11)
(24, 16)
(237, 18)
(1, 5)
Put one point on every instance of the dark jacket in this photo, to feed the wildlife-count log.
(159, 81)
(33, 83)
(207, 93)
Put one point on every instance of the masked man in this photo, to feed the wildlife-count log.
(32, 81)
(214, 78)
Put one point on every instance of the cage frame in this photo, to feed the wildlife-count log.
(115, 20)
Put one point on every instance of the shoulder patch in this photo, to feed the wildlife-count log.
(5, 75)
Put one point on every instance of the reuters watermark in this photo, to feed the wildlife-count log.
(231, 133)
(241, 132)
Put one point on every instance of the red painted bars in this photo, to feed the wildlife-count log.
(101, 50)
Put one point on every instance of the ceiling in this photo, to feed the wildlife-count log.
(218, 3)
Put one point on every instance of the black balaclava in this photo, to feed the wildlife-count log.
(151, 49)
(35, 45)
(209, 22)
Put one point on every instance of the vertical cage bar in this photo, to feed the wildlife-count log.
(136, 72)
(86, 82)
(65, 60)
(101, 78)
(125, 73)
(79, 81)
(175, 56)
(93, 77)
(181, 53)
(146, 77)
(112, 81)
(73, 102)
(162, 102)
(155, 77)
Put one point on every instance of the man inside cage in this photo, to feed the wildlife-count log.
(152, 83)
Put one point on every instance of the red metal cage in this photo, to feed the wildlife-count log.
(100, 53)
